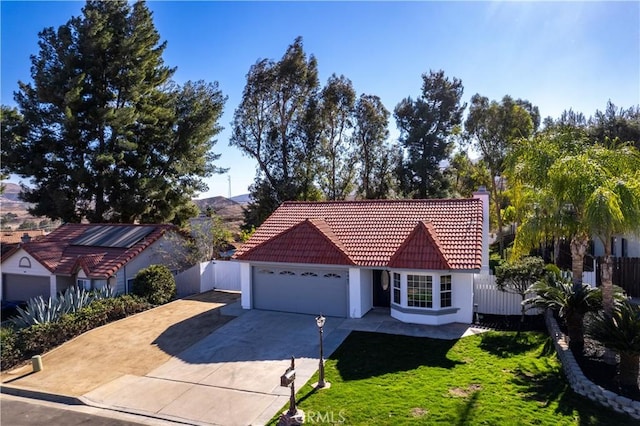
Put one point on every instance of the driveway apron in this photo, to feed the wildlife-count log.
(232, 376)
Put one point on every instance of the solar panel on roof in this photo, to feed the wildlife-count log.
(112, 236)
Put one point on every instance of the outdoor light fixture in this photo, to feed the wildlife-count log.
(321, 383)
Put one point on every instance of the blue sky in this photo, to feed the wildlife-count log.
(558, 55)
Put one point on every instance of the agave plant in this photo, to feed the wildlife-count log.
(105, 292)
(621, 333)
(572, 301)
(73, 299)
(37, 311)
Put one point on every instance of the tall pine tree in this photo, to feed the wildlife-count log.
(105, 135)
(426, 128)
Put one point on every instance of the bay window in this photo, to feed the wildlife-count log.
(420, 291)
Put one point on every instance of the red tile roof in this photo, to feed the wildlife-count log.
(415, 234)
(58, 254)
(420, 250)
(310, 241)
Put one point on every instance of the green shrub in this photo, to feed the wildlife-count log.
(10, 354)
(156, 284)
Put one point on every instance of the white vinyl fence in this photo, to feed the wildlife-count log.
(490, 300)
(590, 277)
(221, 275)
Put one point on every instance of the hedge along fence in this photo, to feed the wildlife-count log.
(18, 345)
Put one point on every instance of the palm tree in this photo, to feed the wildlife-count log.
(572, 301)
(548, 217)
(621, 333)
(595, 191)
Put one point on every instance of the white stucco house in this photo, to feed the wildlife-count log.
(88, 255)
(343, 258)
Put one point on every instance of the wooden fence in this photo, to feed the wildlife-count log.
(490, 300)
(626, 274)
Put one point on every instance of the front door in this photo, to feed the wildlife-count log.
(381, 289)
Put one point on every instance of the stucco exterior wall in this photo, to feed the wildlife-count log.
(245, 285)
(366, 283)
(633, 246)
(157, 253)
(63, 283)
(12, 265)
(22, 263)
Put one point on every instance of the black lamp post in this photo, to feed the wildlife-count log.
(320, 323)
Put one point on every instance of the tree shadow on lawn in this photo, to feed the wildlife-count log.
(363, 354)
(505, 345)
(550, 386)
(465, 412)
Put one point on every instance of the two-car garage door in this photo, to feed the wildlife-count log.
(305, 291)
(24, 287)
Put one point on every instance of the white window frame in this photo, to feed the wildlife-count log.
(397, 288)
(415, 284)
(84, 283)
(449, 291)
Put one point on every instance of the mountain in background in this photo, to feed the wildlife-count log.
(11, 191)
(11, 203)
(243, 199)
(229, 209)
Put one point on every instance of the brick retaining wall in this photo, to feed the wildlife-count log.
(577, 380)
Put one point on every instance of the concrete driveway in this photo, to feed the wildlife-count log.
(190, 362)
(231, 377)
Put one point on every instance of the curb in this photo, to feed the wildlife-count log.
(44, 396)
(150, 415)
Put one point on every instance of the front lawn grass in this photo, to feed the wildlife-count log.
(496, 378)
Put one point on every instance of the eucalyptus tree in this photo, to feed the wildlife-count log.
(427, 126)
(370, 137)
(616, 123)
(493, 129)
(268, 126)
(467, 175)
(104, 135)
(337, 158)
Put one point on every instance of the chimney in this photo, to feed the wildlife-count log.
(25, 238)
(483, 195)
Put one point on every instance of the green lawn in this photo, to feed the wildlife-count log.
(496, 378)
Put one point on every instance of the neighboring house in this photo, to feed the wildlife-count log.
(9, 240)
(21, 236)
(621, 246)
(342, 258)
(89, 255)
